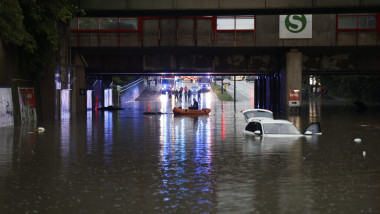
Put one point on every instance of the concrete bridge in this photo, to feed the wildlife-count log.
(224, 7)
(196, 45)
(229, 45)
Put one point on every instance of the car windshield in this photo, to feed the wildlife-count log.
(280, 128)
(168, 81)
(204, 80)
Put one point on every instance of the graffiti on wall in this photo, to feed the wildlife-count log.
(27, 105)
(6, 107)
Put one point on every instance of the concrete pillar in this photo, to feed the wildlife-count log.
(79, 86)
(256, 91)
(293, 72)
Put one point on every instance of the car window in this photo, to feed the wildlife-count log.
(280, 128)
(253, 126)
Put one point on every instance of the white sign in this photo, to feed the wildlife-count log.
(6, 107)
(296, 26)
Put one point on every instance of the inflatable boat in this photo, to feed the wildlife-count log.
(180, 111)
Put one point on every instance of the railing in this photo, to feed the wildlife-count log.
(130, 85)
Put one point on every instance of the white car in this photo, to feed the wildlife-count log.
(267, 127)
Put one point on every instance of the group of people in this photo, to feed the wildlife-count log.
(182, 91)
(187, 94)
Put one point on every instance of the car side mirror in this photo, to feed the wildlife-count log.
(257, 132)
(308, 133)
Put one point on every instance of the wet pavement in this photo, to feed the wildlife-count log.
(129, 162)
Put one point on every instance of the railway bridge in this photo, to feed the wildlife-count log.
(228, 38)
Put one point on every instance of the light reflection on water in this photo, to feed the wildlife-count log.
(108, 137)
(128, 162)
(185, 160)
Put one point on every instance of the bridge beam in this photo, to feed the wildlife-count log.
(224, 7)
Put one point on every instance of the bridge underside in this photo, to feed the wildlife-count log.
(224, 7)
(227, 61)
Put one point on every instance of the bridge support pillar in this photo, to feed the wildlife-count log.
(79, 85)
(293, 73)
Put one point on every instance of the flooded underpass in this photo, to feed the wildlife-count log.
(130, 162)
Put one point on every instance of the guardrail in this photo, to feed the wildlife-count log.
(130, 85)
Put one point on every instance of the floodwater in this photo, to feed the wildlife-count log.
(130, 162)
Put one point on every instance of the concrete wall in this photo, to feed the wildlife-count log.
(11, 76)
(189, 32)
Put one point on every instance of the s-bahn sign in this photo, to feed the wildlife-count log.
(295, 26)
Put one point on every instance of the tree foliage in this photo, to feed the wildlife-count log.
(34, 25)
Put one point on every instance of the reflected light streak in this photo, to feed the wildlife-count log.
(65, 139)
(223, 122)
(206, 101)
(108, 137)
(89, 133)
(164, 102)
(252, 96)
(165, 150)
(89, 99)
(203, 141)
(177, 170)
(314, 110)
(65, 104)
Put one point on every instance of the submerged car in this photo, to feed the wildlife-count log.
(267, 127)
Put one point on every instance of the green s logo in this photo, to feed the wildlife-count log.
(295, 23)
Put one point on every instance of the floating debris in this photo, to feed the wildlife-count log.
(110, 108)
(357, 140)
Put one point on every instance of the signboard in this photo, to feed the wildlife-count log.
(6, 107)
(27, 105)
(296, 26)
(294, 98)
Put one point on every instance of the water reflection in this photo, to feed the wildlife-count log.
(65, 139)
(128, 162)
(108, 137)
(89, 135)
(6, 145)
(185, 161)
(314, 110)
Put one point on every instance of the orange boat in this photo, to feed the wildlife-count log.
(180, 111)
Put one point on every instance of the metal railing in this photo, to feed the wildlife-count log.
(128, 86)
